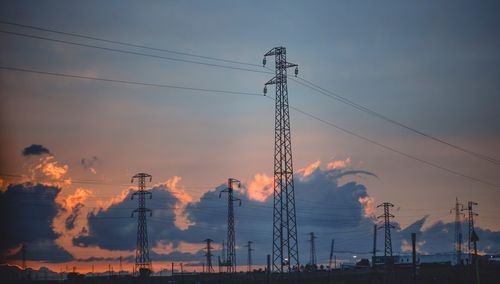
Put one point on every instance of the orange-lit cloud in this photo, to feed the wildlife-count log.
(163, 247)
(78, 197)
(105, 204)
(407, 247)
(310, 169)
(260, 188)
(338, 164)
(47, 171)
(368, 206)
(3, 185)
(181, 220)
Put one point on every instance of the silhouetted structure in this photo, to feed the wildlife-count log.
(249, 259)
(387, 228)
(208, 254)
(285, 244)
(230, 262)
(471, 215)
(331, 254)
(312, 252)
(458, 231)
(142, 261)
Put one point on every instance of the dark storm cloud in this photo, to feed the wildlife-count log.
(35, 149)
(439, 238)
(316, 195)
(325, 206)
(27, 211)
(70, 221)
(114, 228)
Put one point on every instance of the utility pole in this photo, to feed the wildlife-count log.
(231, 236)
(331, 254)
(312, 252)
(471, 215)
(374, 254)
(249, 246)
(458, 231)
(285, 243)
(414, 257)
(142, 261)
(210, 269)
(387, 229)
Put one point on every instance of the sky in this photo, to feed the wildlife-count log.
(69, 146)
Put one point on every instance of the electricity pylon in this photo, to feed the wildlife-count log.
(142, 261)
(387, 228)
(471, 215)
(231, 236)
(209, 254)
(458, 231)
(312, 256)
(285, 244)
(249, 260)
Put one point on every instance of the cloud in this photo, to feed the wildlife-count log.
(316, 197)
(260, 188)
(113, 228)
(338, 164)
(35, 149)
(89, 164)
(328, 200)
(27, 211)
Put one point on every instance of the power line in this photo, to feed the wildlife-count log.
(129, 44)
(126, 81)
(362, 108)
(309, 84)
(410, 156)
(131, 52)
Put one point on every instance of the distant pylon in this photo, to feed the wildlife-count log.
(387, 228)
(458, 231)
(471, 215)
(142, 261)
(208, 254)
(249, 259)
(312, 256)
(231, 235)
(285, 243)
(331, 254)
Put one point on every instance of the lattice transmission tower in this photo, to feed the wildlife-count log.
(231, 234)
(142, 261)
(471, 214)
(312, 252)
(249, 259)
(209, 255)
(387, 228)
(458, 231)
(285, 244)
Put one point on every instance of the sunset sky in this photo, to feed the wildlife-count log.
(69, 146)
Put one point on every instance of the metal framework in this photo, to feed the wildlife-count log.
(331, 254)
(249, 260)
(458, 231)
(230, 262)
(209, 255)
(387, 228)
(471, 215)
(142, 261)
(285, 246)
(312, 256)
